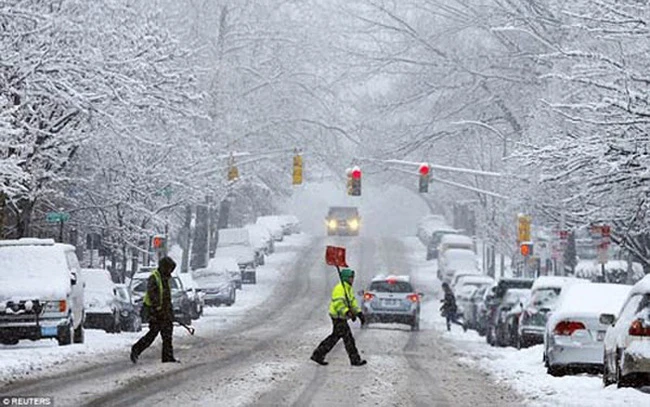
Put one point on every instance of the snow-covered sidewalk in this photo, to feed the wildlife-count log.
(522, 370)
(33, 358)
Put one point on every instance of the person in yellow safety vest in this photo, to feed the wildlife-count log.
(343, 306)
(158, 301)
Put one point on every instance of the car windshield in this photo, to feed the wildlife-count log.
(343, 212)
(175, 284)
(122, 294)
(391, 287)
(139, 286)
(545, 297)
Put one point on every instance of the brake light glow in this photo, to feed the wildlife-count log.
(567, 328)
(391, 281)
(413, 297)
(63, 306)
(368, 297)
(638, 328)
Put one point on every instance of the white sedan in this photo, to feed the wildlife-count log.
(627, 342)
(573, 338)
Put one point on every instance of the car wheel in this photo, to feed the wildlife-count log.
(489, 336)
(79, 334)
(9, 341)
(65, 335)
(621, 381)
(607, 379)
(556, 371)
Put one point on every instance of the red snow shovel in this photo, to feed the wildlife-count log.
(190, 329)
(335, 256)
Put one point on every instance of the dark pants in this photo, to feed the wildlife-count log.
(340, 329)
(165, 327)
(453, 317)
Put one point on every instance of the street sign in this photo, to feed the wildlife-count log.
(56, 217)
(523, 228)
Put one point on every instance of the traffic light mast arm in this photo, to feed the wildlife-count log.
(445, 168)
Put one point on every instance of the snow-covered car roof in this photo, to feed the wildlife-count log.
(555, 282)
(233, 237)
(224, 263)
(383, 277)
(99, 285)
(242, 254)
(590, 299)
(259, 235)
(473, 278)
(34, 267)
(456, 239)
(642, 286)
(186, 279)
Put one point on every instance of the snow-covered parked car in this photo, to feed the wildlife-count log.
(216, 284)
(262, 242)
(229, 264)
(41, 292)
(274, 226)
(290, 224)
(194, 294)
(129, 312)
(545, 294)
(453, 261)
(455, 241)
(102, 306)
(627, 341)
(427, 224)
(435, 236)
(236, 243)
(574, 334)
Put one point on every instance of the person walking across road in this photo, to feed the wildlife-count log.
(343, 306)
(158, 303)
(449, 309)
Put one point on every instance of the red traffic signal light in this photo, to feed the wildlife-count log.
(158, 242)
(356, 173)
(526, 249)
(424, 169)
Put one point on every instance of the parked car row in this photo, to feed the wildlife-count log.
(583, 326)
(45, 294)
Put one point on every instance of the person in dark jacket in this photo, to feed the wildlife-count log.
(158, 301)
(449, 308)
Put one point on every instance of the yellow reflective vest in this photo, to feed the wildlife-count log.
(147, 300)
(343, 300)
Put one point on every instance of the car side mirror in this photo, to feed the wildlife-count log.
(607, 319)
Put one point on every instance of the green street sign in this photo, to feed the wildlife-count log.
(56, 217)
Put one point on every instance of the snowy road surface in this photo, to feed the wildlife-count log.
(258, 354)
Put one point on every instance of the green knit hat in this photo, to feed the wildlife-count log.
(347, 274)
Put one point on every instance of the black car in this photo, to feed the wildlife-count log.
(434, 241)
(343, 220)
(507, 317)
(472, 312)
(493, 302)
(129, 312)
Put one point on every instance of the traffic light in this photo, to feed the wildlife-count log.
(425, 177)
(354, 181)
(297, 169)
(526, 249)
(233, 173)
(523, 228)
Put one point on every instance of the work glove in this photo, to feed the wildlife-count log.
(362, 318)
(351, 315)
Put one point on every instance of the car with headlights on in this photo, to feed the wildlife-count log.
(130, 320)
(545, 293)
(102, 306)
(41, 292)
(343, 221)
(216, 284)
(627, 341)
(391, 299)
(574, 334)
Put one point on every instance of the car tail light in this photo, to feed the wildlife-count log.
(63, 306)
(568, 327)
(413, 297)
(638, 328)
(368, 297)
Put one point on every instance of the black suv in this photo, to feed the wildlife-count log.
(343, 220)
(493, 303)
